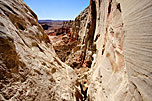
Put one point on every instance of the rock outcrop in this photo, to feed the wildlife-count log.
(116, 35)
(29, 67)
(119, 32)
(111, 62)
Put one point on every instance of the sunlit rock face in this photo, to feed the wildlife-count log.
(122, 65)
(29, 67)
(117, 35)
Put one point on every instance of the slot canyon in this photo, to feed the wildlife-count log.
(105, 54)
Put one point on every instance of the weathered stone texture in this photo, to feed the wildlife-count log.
(122, 68)
(29, 67)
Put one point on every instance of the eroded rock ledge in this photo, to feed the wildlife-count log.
(112, 61)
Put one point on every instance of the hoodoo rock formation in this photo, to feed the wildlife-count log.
(111, 57)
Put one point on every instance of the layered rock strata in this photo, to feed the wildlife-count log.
(117, 35)
(30, 70)
(121, 68)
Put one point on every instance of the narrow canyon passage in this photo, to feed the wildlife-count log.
(66, 39)
(67, 48)
(102, 55)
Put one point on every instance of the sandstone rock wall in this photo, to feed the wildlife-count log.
(79, 28)
(121, 70)
(29, 67)
(117, 35)
(120, 44)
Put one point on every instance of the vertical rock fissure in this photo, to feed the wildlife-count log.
(88, 45)
(84, 92)
(92, 27)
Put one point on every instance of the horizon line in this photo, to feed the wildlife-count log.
(53, 19)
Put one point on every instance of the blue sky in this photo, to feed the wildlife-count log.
(57, 9)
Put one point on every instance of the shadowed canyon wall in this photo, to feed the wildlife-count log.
(112, 62)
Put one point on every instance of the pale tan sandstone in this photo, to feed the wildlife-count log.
(29, 68)
(122, 69)
(121, 50)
